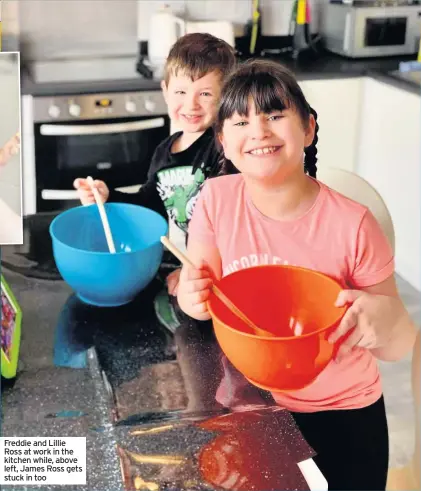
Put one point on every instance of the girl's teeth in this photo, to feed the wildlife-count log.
(263, 151)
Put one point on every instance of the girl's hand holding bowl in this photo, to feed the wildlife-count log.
(371, 321)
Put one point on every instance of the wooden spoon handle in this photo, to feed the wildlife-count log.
(217, 291)
(221, 295)
(176, 251)
(103, 215)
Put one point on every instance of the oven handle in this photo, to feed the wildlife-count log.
(59, 194)
(71, 194)
(100, 129)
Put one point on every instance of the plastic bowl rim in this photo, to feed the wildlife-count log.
(284, 338)
(70, 210)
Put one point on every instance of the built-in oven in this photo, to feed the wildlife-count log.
(109, 136)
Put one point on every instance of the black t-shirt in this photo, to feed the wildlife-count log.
(175, 179)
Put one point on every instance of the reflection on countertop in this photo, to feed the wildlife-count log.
(160, 410)
(246, 450)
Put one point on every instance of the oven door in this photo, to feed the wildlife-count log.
(117, 151)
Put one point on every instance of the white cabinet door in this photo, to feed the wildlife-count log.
(337, 103)
(389, 158)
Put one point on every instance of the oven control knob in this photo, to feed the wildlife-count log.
(130, 106)
(150, 105)
(74, 110)
(54, 111)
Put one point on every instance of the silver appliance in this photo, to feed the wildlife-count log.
(360, 28)
(107, 127)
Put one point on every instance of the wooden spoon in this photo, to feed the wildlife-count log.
(103, 215)
(216, 290)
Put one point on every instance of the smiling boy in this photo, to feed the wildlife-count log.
(194, 73)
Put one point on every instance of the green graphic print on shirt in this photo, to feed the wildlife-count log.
(179, 190)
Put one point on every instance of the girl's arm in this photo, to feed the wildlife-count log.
(202, 249)
(377, 320)
(402, 331)
(195, 284)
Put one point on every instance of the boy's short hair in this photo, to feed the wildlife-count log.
(197, 54)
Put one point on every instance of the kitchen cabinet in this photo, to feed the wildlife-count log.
(337, 103)
(389, 157)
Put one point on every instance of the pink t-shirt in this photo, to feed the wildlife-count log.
(336, 236)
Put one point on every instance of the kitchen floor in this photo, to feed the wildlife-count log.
(396, 379)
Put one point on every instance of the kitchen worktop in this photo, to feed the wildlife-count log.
(133, 84)
(149, 401)
(323, 66)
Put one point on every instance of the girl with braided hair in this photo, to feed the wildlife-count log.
(274, 211)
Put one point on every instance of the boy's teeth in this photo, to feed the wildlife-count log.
(262, 151)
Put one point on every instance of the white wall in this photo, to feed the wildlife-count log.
(10, 189)
(78, 28)
(71, 28)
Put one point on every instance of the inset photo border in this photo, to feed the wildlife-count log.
(11, 210)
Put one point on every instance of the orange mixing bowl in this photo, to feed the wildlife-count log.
(294, 304)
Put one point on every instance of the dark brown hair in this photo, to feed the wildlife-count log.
(197, 54)
(272, 87)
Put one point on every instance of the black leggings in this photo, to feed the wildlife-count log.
(352, 446)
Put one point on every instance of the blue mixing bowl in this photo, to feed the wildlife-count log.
(81, 252)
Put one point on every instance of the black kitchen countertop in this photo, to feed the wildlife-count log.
(149, 401)
(324, 65)
(29, 87)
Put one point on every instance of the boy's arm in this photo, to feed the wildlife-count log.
(147, 196)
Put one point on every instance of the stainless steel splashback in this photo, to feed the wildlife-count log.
(64, 29)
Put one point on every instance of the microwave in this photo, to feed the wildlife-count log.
(362, 29)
